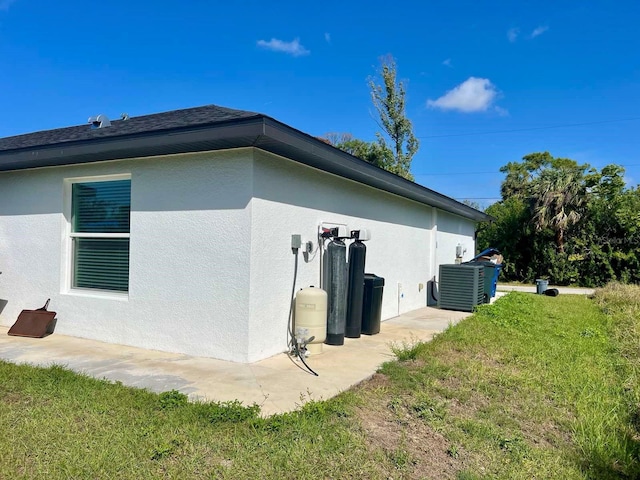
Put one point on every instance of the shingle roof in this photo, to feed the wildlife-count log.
(187, 118)
(203, 129)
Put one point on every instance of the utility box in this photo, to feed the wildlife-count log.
(461, 287)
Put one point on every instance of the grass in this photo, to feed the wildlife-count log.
(55, 424)
(530, 387)
(516, 283)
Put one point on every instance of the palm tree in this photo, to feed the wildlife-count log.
(558, 195)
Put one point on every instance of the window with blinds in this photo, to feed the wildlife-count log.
(100, 218)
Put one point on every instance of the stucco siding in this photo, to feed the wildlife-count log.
(211, 266)
(189, 254)
(293, 199)
(451, 231)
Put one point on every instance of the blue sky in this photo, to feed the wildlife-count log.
(487, 82)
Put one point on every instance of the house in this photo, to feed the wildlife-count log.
(173, 231)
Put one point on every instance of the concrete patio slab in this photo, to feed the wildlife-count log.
(278, 384)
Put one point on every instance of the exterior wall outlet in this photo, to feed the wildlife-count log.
(296, 241)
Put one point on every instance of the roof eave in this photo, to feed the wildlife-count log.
(306, 149)
(260, 132)
(163, 142)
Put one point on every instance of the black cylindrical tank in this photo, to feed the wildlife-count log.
(335, 284)
(357, 255)
(372, 303)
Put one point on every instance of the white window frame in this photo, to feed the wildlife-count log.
(69, 235)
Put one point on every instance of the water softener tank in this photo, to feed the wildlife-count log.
(310, 318)
(335, 283)
(357, 254)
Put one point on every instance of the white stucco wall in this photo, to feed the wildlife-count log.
(211, 266)
(290, 198)
(189, 254)
(451, 231)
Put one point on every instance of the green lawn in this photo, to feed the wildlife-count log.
(530, 387)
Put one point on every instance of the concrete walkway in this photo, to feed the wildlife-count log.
(278, 384)
(532, 289)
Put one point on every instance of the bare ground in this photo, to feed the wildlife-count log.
(418, 450)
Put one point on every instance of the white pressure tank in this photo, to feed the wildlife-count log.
(311, 318)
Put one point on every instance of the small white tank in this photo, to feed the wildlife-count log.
(311, 317)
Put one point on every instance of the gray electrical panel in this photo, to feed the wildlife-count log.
(461, 287)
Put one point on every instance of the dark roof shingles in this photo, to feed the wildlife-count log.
(189, 117)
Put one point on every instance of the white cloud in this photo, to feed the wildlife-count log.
(5, 4)
(293, 47)
(472, 95)
(539, 31)
(327, 37)
(447, 63)
(512, 34)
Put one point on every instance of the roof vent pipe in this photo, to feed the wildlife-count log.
(99, 121)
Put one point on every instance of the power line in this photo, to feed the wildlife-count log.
(456, 173)
(494, 172)
(529, 129)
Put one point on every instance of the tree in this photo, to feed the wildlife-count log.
(472, 204)
(396, 154)
(522, 176)
(554, 187)
(610, 235)
(566, 222)
(511, 234)
(375, 153)
(559, 193)
(389, 102)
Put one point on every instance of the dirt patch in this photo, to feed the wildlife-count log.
(409, 428)
(414, 449)
(17, 399)
(377, 381)
(489, 361)
(12, 398)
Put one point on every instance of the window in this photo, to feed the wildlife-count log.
(100, 218)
